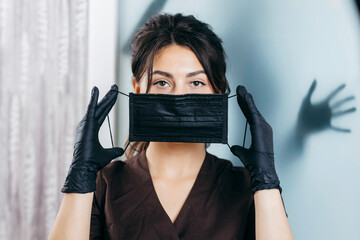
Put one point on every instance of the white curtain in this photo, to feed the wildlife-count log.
(43, 84)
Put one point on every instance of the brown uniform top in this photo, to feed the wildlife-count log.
(220, 204)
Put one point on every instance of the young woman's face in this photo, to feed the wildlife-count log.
(176, 70)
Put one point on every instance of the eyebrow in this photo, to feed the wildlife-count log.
(169, 75)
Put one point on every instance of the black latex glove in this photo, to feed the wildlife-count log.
(259, 158)
(89, 156)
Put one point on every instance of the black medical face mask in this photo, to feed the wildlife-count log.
(197, 118)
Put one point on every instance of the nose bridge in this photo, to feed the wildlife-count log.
(180, 91)
(180, 87)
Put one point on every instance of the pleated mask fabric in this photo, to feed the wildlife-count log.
(201, 118)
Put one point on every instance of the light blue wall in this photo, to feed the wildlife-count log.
(276, 48)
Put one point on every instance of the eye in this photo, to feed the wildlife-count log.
(160, 83)
(198, 83)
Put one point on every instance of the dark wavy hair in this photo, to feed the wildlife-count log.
(166, 29)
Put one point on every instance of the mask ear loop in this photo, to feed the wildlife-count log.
(111, 137)
(246, 124)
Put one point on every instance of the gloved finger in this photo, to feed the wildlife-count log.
(247, 104)
(238, 151)
(93, 102)
(108, 99)
(102, 117)
(114, 152)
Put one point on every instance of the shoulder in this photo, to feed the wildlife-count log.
(113, 168)
(236, 177)
(118, 170)
(226, 166)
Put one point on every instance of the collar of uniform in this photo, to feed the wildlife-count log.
(189, 217)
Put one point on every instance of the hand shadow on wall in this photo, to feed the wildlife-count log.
(316, 117)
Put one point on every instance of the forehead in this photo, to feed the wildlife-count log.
(176, 57)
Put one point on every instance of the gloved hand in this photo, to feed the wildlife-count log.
(89, 156)
(259, 158)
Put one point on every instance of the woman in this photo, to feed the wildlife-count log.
(172, 190)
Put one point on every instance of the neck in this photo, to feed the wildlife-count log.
(175, 160)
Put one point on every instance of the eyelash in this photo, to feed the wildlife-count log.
(156, 83)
